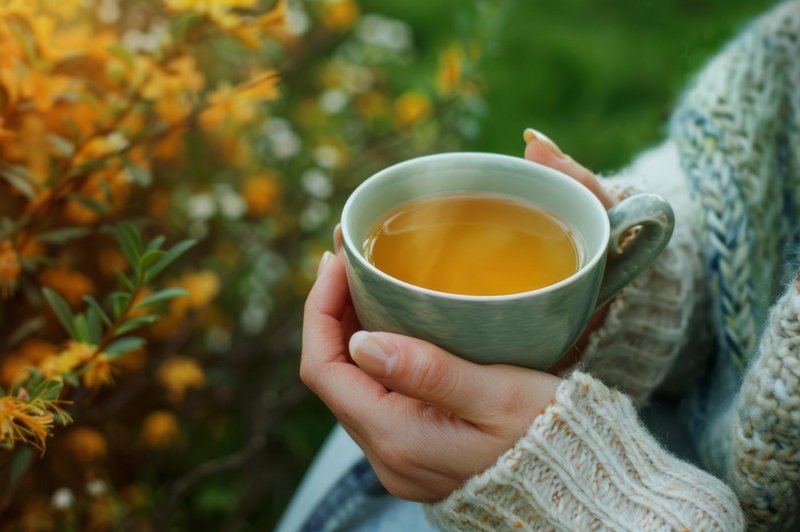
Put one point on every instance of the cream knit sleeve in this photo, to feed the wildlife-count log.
(658, 318)
(586, 463)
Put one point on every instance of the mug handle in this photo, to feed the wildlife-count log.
(654, 218)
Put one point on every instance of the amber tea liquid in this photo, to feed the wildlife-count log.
(473, 244)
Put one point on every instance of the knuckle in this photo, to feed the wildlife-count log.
(435, 378)
(307, 374)
(393, 454)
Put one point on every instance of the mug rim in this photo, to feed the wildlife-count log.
(466, 156)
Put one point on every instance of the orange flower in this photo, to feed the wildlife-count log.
(98, 373)
(262, 193)
(35, 350)
(160, 429)
(10, 269)
(23, 422)
(13, 367)
(86, 444)
(410, 108)
(70, 284)
(239, 104)
(107, 187)
(449, 75)
(178, 375)
(339, 14)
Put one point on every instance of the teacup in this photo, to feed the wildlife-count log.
(532, 328)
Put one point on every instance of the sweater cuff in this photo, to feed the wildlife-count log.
(650, 322)
(586, 463)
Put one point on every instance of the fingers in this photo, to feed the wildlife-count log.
(539, 148)
(423, 371)
(324, 366)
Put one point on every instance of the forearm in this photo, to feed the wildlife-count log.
(586, 463)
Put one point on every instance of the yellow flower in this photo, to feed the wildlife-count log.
(160, 429)
(449, 74)
(239, 104)
(339, 14)
(208, 6)
(86, 444)
(410, 108)
(172, 87)
(23, 422)
(179, 374)
(262, 193)
(202, 286)
(76, 354)
(98, 373)
(10, 269)
(70, 284)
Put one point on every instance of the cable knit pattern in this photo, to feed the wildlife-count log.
(587, 464)
(648, 324)
(765, 469)
(738, 132)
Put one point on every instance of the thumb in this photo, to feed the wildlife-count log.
(540, 149)
(483, 395)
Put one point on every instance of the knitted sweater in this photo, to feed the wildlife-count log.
(587, 463)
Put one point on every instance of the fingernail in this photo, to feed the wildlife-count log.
(337, 237)
(324, 261)
(373, 354)
(531, 135)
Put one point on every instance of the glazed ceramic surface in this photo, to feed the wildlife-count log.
(532, 329)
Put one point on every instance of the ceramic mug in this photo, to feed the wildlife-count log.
(532, 329)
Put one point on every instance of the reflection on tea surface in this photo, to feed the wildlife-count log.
(473, 244)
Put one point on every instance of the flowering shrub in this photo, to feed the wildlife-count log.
(169, 175)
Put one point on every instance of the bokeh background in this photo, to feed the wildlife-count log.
(243, 125)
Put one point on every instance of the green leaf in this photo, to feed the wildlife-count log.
(182, 24)
(92, 302)
(135, 323)
(64, 147)
(149, 258)
(62, 310)
(82, 328)
(132, 235)
(89, 203)
(71, 379)
(19, 178)
(119, 347)
(50, 389)
(156, 242)
(127, 239)
(95, 326)
(123, 53)
(139, 175)
(60, 236)
(169, 257)
(20, 461)
(162, 295)
(119, 300)
(24, 330)
(123, 279)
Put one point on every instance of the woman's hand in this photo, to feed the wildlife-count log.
(426, 420)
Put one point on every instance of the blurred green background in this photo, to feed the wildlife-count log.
(600, 77)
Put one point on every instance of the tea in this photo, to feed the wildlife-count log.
(473, 244)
